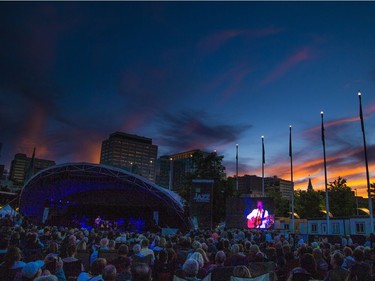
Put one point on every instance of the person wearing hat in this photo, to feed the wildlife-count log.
(32, 270)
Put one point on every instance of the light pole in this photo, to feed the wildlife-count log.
(237, 167)
(356, 199)
(170, 173)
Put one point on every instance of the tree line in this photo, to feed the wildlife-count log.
(307, 204)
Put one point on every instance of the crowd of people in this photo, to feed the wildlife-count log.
(30, 252)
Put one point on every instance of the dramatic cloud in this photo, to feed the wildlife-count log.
(196, 130)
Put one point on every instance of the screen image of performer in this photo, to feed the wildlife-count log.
(258, 218)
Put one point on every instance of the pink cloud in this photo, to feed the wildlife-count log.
(298, 57)
(214, 41)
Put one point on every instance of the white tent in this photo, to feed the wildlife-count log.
(7, 210)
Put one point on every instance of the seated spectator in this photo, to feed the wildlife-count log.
(123, 269)
(96, 271)
(33, 248)
(163, 269)
(190, 268)
(337, 273)
(220, 258)
(202, 272)
(122, 252)
(206, 260)
(241, 271)
(321, 264)
(235, 258)
(121, 239)
(141, 272)
(109, 273)
(32, 270)
(72, 266)
(103, 247)
(360, 270)
(348, 258)
(12, 265)
(146, 251)
(307, 269)
(54, 265)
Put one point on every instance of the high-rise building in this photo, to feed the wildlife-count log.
(130, 152)
(285, 187)
(250, 185)
(172, 169)
(23, 167)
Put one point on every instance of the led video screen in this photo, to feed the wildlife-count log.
(253, 213)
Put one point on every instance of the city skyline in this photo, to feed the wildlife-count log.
(193, 75)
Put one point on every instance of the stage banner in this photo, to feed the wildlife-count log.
(201, 201)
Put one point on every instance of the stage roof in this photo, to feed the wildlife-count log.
(96, 184)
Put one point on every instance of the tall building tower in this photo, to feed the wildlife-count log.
(22, 165)
(285, 187)
(130, 152)
(172, 169)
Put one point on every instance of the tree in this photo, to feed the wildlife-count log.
(281, 204)
(209, 167)
(341, 198)
(307, 204)
(372, 190)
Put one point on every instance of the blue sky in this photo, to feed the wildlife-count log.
(191, 75)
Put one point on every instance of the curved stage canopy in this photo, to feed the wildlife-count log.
(74, 191)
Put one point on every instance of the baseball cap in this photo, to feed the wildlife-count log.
(31, 268)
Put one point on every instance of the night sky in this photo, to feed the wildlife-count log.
(192, 75)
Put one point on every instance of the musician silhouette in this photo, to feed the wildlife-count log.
(258, 218)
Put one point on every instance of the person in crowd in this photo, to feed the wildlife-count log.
(103, 247)
(306, 270)
(54, 264)
(122, 252)
(72, 265)
(141, 272)
(220, 258)
(202, 272)
(123, 269)
(12, 265)
(163, 268)
(146, 251)
(337, 273)
(109, 273)
(191, 268)
(96, 271)
(241, 271)
(321, 264)
(32, 270)
(348, 258)
(235, 258)
(360, 270)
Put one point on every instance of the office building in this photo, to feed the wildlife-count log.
(130, 152)
(23, 167)
(285, 187)
(172, 169)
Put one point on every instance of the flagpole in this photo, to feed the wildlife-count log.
(291, 173)
(366, 162)
(237, 167)
(325, 175)
(263, 161)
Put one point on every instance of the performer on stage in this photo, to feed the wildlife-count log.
(258, 218)
(97, 222)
